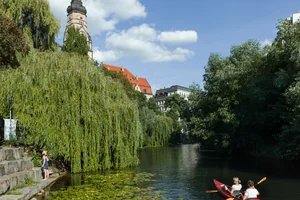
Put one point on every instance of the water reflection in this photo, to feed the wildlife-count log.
(187, 172)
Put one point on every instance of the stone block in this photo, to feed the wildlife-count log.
(26, 163)
(12, 167)
(9, 167)
(9, 154)
(4, 185)
(8, 182)
(2, 155)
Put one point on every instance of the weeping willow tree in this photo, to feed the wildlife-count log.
(67, 106)
(35, 19)
(157, 129)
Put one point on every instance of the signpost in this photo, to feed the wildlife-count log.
(10, 125)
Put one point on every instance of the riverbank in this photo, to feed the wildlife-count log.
(28, 192)
(19, 178)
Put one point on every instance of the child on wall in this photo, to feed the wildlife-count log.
(45, 165)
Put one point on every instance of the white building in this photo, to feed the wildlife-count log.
(295, 17)
(162, 94)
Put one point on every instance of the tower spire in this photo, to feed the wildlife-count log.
(76, 6)
(77, 18)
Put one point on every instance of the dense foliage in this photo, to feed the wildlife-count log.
(156, 128)
(76, 42)
(12, 40)
(250, 102)
(178, 109)
(65, 105)
(35, 19)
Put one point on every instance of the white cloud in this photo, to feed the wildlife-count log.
(141, 42)
(106, 56)
(266, 42)
(103, 15)
(177, 37)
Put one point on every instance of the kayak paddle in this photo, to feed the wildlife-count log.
(262, 180)
(211, 191)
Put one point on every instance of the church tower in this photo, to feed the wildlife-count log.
(77, 18)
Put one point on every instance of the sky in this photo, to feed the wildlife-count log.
(168, 42)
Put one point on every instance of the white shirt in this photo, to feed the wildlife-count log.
(251, 193)
(237, 187)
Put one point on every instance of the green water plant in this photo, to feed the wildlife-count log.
(113, 185)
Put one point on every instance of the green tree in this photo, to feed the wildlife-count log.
(179, 110)
(152, 105)
(156, 128)
(35, 19)
(73, 111)
(12, 40)
(76, 42)
(130, 91)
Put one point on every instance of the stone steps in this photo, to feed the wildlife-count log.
(9, 167)
(11, 154)
(16, 171)
(28, 192)
(11, 181)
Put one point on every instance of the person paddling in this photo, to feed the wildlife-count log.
(251, 192)
(235, 188)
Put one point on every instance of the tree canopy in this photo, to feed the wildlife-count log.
(12, 40)
(76, 42)
(156, 128)
(67, 106)
(35, 19)
(251, 98)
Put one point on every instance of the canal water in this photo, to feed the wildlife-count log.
(187, 172)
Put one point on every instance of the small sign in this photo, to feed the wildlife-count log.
(10, 126)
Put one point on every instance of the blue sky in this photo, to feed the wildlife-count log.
(219, 24)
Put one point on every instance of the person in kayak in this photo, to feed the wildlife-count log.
(235, 188)
(251, 192)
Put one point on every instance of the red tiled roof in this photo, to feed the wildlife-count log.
(134, 80)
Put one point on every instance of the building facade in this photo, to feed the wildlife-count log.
(295, 17)
(162, 94)
(77, 18)
(139, 84)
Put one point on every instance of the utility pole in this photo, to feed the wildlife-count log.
(10, 114)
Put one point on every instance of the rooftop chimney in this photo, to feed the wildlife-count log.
(137, 78)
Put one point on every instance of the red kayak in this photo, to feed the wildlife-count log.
(220, 186)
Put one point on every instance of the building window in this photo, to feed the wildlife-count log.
(145, 91)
